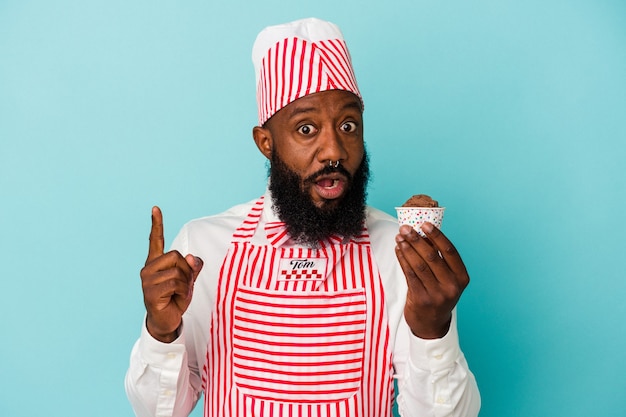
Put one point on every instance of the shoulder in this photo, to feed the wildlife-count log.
(381, 225)
(212, 232)
(228, 219)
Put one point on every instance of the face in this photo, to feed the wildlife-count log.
(309, 134)
(314, 199)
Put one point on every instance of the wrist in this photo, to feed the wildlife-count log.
(161, 336)
(433, 332)
(426, 329)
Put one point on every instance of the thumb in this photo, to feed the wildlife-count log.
(195, 263)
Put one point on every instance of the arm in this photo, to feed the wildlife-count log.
(433, 374)
(159, 380)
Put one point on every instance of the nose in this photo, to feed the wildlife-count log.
(332, 147)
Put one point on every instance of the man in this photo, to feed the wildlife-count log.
(304, 302)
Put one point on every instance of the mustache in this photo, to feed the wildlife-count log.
(328, 170)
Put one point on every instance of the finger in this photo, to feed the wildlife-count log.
(448, 252)
(424, 250)
(413, 279)
(169, 260)
(160, 297)
(157, 241)
(172, 262)
(171, 278)
(411, 251)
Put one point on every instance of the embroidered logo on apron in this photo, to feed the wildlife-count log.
(292, 269)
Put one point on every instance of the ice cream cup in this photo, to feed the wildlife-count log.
(416, 216)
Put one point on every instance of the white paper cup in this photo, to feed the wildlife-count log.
(416, 216)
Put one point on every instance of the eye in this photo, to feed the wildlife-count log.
(349, 127)
(306, 130)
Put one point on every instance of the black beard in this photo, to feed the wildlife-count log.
(308, 224)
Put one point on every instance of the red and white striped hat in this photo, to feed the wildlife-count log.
(299, 58)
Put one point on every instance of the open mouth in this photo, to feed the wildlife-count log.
(328, 183)
(330, 188)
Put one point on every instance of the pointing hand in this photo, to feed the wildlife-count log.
(167, 282)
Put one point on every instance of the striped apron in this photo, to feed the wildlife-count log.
(298, 331)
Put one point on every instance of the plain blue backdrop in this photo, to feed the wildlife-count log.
(511, 113)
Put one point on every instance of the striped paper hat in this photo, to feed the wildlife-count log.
(297, 59)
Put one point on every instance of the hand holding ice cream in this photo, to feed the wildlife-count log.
(434, 271)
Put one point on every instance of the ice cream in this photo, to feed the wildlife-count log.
(420, 200)
(418, 209)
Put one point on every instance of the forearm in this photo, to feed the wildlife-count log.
(435, 379)
(452, 392)
(159, 381)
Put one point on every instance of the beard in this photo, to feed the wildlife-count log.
(308, 224)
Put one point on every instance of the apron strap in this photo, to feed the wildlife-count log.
(246, 229)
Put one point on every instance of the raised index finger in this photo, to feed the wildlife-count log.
(157, 242)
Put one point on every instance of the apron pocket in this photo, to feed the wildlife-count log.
(298, 347)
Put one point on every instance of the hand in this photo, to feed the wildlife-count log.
(167, 282)
(436, 277)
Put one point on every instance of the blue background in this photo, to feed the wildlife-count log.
(510, 113)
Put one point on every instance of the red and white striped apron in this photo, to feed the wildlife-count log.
(297, 331)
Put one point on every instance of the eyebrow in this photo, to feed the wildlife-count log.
(298, 110)
(354, 105)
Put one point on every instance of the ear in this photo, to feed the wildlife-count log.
(263, 139)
